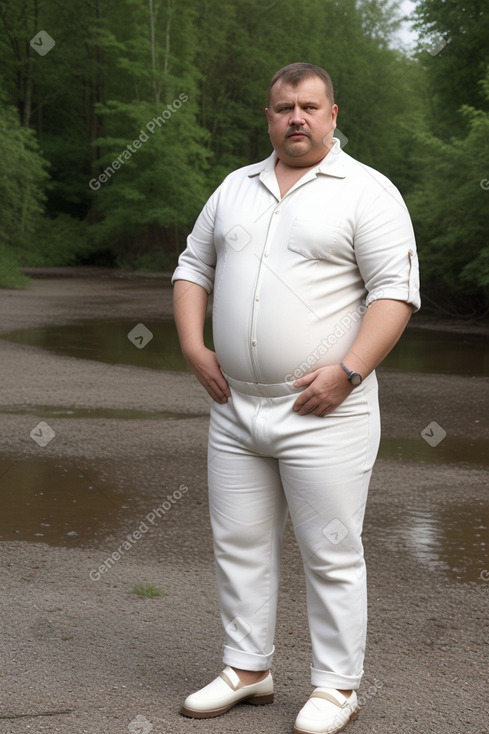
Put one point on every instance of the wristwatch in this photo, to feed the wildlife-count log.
(355, 377)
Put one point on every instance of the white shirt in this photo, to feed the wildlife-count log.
(292, 276)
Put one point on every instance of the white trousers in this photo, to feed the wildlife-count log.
(264, 462)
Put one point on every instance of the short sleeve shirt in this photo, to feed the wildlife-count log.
(293, 276)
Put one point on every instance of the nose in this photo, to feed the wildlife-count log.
(296, 116)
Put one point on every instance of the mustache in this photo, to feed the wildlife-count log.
(295, 130)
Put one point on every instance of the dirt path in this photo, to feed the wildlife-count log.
(81, 653)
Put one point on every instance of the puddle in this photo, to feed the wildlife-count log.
(108, 341)
(453, 539)
(65, 503)
(419, 350)
(442, 352)
(453, 449)
(59, 502)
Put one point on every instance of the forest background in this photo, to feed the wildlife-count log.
(118, 118)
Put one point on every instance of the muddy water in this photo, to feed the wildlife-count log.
(452, 450)
(59, 502)
(420, 350)
(62, 503)
(108, 341)
(453, 539)
(65, 503)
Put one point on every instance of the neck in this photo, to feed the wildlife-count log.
(290, 168)
(287, 176)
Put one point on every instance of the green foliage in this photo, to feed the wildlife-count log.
(124, 61)
(453, 74)
(157, 184)
(60, 241)
(22, 177)
(450, 206)
(126, 187)
(251, 40)
(10, 275)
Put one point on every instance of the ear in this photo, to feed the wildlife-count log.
(334, 113)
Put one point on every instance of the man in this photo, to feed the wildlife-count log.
(311, 259)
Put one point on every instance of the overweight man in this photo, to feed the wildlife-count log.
(311, 260)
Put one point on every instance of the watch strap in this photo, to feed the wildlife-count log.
(348, 372)
(351, 375)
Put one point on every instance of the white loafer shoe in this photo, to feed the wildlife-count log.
(326, 712)
(225, 692)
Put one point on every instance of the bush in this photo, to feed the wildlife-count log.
(57, 242)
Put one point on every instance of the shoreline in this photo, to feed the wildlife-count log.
(426, 318)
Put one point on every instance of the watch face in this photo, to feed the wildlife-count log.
(356, 379)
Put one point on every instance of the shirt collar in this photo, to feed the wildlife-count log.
(264, 166)
(334, 163)
(331, 165)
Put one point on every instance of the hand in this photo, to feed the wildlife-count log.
(327, 388)
(206, 368)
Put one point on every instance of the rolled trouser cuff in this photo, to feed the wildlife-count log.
(247, 660)
(327, 679)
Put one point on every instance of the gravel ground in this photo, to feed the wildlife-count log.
(81, 653)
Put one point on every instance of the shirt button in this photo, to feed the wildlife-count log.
(253, 343)
(265, 254)
(257, 298)
(277, 211)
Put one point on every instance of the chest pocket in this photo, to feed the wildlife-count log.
(315, 239)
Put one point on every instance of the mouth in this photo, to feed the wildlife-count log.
(297, 134)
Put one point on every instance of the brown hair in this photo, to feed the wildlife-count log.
(295, 73)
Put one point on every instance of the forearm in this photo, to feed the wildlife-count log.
(327, 387)
(382, 326)
(190, 309)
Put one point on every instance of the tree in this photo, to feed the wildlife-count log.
(152, 136)
(22, 178)
(454, 70)
(449, 204)
(450, 207)
(203, 68)
(375, 85)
